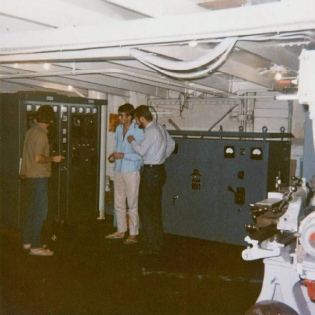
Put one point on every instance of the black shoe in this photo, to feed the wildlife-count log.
(149, 252)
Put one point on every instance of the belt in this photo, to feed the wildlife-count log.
(153, 165)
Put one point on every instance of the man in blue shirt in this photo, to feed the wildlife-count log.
(155, 147)
(126, 175)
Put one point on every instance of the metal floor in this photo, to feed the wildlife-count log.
(91, 275)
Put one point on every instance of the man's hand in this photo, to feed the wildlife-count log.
(57, 158)
(111, 158)
(115, 156)
(118, 155)
(130, 139)
(40, 158)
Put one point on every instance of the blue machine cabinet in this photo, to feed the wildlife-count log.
(212, 178)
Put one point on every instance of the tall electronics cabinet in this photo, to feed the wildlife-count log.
(213, 177)
(75, 134)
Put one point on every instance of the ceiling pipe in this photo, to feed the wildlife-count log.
(173, 65)
(195, 74)
(125, 52)
(79, 55)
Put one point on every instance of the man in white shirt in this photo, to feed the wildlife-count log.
(154, 148)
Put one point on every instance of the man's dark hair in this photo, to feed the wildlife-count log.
(127, 108)
(45, 114)
(143, 111)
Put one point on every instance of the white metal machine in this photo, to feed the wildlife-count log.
(284, 235)
(284, 230)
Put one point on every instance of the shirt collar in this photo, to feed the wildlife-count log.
(42, 127)
(149, 124)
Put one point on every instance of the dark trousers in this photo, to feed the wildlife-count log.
(150, 205)
(36, 211)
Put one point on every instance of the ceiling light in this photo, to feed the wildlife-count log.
(278, 76)
(70, 87)
(287, 97)
(46, 66)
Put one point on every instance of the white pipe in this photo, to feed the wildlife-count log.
(194, 75)
(91, 54)
(124, 52)
(102, 162)
(184, 65)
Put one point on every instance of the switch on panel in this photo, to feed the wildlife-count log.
(239, 195)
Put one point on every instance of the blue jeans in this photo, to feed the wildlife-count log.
(150, 205)
(36, 211)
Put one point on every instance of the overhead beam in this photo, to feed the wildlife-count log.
(51, 85)
(79, 55)
(244, 72)
(11, 87)
(122, 73)
(43, 85)
(253, 20)
(273, 52)
(160, 8)
(105, 80)
(91, 81)
(48, 81)
(132, 71)
(52, 13)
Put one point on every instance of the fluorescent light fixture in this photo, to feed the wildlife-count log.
(287, 97)
(278, 76)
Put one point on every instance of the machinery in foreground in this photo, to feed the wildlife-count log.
(284, 236)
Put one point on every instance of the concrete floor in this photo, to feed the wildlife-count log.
(91, 275)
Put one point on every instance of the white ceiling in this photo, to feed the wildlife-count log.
(118, 46)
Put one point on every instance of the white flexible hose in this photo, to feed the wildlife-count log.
(184, 65)
(196, 74)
